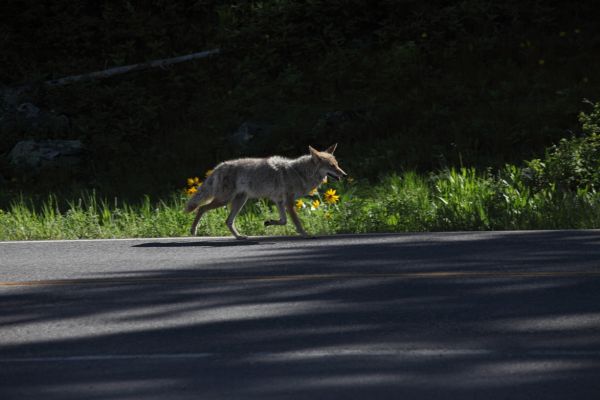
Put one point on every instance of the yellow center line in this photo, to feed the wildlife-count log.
(302, 277)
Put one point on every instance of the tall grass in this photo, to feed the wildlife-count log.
(456, 199)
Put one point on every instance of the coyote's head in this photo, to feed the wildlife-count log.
(326, 162)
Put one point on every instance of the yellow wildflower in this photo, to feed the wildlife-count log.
(299, 204)
(315, 204)
(191, 191)
(331, 197)
(313, 192)
(195, 181)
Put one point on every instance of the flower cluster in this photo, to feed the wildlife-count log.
(194, 183)
(329, 198)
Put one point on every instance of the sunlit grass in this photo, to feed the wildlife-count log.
(462, 199)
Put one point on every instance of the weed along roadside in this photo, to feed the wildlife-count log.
(558, 191)
(449, 200)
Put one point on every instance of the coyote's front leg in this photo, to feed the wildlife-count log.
(292, 211)
(236, 205)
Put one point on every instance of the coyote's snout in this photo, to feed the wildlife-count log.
(280, 179)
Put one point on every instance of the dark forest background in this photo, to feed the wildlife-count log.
(400, 85)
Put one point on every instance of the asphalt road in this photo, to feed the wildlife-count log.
(496, 315)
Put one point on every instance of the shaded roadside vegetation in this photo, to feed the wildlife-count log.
(558, 191)
(420, 86)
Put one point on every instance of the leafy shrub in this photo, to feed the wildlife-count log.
(573, 163)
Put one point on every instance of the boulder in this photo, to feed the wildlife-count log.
(30, 119)
(39, 154)
(249, 136)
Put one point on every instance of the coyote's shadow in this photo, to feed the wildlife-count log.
(201, 243)
(252, 241)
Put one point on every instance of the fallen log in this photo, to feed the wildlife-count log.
(129, 68)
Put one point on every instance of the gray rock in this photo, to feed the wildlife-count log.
(29, 110)
(249, 135)
(39, 154)
(26, 117)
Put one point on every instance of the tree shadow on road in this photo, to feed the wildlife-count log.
(375, 337)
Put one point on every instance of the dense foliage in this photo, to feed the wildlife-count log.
(558, 191)
(399, 84)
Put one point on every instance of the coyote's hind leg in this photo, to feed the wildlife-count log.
(282, 216)
(201, 210)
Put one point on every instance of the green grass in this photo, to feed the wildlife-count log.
(461, 199)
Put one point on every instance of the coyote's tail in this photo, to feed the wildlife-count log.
(202, 196)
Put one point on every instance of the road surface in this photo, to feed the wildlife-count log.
(490, 315)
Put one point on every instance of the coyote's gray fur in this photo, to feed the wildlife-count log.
(280, 179)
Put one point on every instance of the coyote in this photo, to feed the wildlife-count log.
(280, 179)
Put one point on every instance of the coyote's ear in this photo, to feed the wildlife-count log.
(314, 153)
(331, 149)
